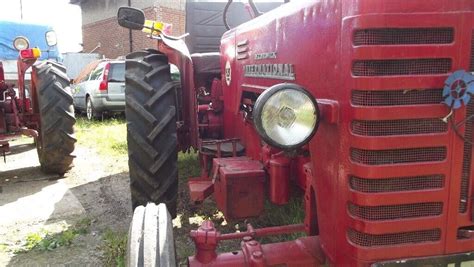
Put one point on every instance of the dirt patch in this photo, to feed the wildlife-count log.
(33, 202)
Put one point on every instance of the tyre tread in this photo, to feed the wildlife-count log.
(57, 119)
(151, 129)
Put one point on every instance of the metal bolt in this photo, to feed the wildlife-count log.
(253, 243)
(257, 254)
(247, 238)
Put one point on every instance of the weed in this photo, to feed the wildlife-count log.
(47, 241)
(114, 247)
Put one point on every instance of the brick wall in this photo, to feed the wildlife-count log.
(114, 40)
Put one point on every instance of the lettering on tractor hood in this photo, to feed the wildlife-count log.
(271, 71)
(266, 55)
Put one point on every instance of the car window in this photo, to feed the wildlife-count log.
(117, 72)
(96, 73)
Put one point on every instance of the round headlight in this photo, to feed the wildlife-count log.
(21, 43)
(286, 116)
(51, 38)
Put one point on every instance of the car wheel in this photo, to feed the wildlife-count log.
(91, 114)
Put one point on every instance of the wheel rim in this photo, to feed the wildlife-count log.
(89, 109)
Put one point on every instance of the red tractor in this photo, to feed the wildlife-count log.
(44, 111)
(388, 176)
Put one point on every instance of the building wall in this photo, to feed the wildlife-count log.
(102, 34)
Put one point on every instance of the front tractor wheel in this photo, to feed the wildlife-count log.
(150, 237)
(151, 129)
(56, 133)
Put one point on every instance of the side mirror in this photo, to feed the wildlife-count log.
(131, 18)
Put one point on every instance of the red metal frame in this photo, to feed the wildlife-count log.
(301, 252)
(19, 115)
(324, 64)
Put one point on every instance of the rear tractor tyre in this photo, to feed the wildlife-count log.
(56, 133)
(150, 237)
(151, 129)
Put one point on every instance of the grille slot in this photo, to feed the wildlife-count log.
(403, 36)
(368, 240)
(394, 156)
(377, 213)
(467, 157)
(398, 127)
(396, 184)
(397, 98)
(471, 68)
(401, 67)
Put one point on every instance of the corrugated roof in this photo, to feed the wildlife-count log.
(76, 2)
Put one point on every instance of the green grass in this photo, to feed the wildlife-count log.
(188, 165)
(114, 247)
(47, 241)
(108, 137)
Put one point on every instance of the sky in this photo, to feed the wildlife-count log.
(62, 16)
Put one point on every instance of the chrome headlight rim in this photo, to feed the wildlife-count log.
(260, 104)
(21, 39)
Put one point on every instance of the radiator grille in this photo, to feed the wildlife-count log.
(394, 156)
(368, 240)
(471, 68)
(397, 183)
(398, 127)
(401, 67)
(467, 157)
(397, 98)
(399, 36)
(392, 212)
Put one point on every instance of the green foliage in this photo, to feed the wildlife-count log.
(114, 247)
(108, 137)
(46, 241)
(188, 165)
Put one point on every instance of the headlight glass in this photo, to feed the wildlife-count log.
(21, 43)
(51, 39)
(286, 117)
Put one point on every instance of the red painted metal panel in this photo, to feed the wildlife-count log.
(400, 112)
(399, 170)
(396, 82)
(393, 142)
(324, 63)
(238, 187)
(394, 198)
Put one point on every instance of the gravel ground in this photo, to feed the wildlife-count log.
(96, 188)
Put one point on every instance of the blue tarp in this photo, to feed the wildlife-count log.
(35, 33)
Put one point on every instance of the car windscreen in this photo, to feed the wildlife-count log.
(117, 72)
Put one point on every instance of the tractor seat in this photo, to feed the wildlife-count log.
(207, 63)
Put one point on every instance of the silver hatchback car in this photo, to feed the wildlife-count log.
(100, 89)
